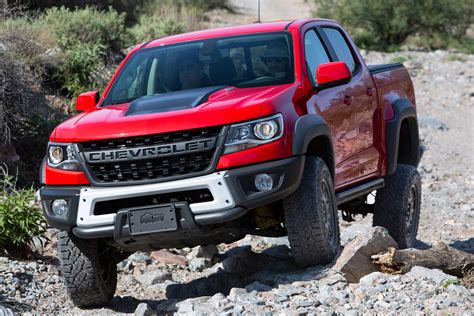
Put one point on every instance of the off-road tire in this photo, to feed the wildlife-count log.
(311, 216)
(397, 205)
(88, 271)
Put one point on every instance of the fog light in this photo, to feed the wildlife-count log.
(60, 208)
(263, 182)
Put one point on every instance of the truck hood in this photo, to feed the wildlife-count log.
(225, 106)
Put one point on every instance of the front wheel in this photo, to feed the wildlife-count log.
(311, 216)
(89, 270)
(397, 205)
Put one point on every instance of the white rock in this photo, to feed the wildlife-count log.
(153, 277)
(373, 279)
(198, 264)
(459, 289)
(143, 309)
(436, 275)
(235, 292)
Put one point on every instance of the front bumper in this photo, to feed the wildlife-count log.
(233, 196)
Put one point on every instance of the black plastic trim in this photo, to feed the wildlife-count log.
(331, 84)
(307, 128)
(42, 171)
(403, 110)
(288, 25)
(291, 170)
(119, 231)
(375, 69)
(221, 216)
(48, 194)
(326, 43)
(93, 232)
(360, 190)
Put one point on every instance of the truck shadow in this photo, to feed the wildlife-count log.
(243, 268)
(267, 269)
(466, 245)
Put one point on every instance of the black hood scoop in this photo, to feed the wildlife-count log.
(171, 101)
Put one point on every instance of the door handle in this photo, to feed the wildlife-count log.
(348, 100)
(369, 91)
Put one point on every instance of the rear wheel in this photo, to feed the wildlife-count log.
(89, 270)
(397, 205)
(311, 216)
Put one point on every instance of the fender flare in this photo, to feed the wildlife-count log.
(307, 128)
(42, 174)
(403, 110)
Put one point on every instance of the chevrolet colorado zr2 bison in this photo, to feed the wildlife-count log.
(200, 138)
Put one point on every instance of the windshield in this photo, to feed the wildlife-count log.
(241, 61)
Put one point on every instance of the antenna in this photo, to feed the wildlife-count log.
(258, 12)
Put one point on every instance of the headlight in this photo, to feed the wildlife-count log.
(56, 154)
(250, 134)
(265, 130)
(63, 156)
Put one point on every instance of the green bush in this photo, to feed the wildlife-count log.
(385, 25)
(82, 59)
(87, 26)
(86, 38)
(150, 27)
(20, 219)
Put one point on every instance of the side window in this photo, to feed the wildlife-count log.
(339, 44)
(315, 53)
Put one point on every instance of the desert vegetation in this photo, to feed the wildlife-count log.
(388, 25)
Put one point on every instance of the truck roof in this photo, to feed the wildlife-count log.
(224, 31)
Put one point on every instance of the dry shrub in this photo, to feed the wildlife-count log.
(26, 120)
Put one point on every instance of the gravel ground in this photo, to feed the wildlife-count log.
(239, 278)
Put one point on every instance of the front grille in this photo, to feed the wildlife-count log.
(153, 168)
(150, 140)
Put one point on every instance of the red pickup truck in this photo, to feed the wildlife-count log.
(201, 138)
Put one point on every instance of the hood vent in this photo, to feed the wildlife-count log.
(171, 101)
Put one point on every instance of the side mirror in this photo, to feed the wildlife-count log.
(332, 74)
(87, 100)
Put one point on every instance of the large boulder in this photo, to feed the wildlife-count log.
(355, 262)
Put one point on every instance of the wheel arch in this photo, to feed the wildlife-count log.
(403, 142)
(312, 136)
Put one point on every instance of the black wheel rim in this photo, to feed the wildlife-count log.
(410, 218)
(327, 211)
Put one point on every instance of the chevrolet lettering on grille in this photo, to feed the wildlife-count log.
(148, 152)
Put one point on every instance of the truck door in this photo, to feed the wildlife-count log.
(360, 96)
(330, 104)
